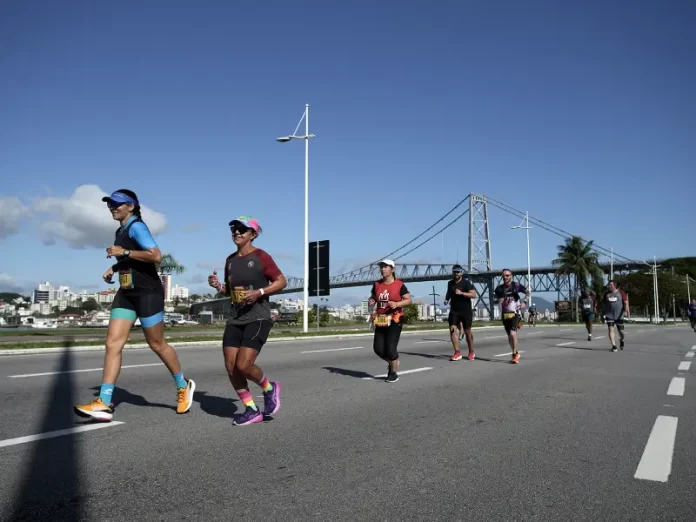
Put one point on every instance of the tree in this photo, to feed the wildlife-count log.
(90, 305)
(576, 257)
(639, 288)
(410, 313)
(168, 265)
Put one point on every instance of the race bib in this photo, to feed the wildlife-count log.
(237, 295)
(382, 320)
(125, 279)
(509, 315)
(586, 306)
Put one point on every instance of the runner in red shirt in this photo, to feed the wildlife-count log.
(389, 296)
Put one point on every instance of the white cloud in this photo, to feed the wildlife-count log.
(82, 220)
(11, 213)
(10, 284)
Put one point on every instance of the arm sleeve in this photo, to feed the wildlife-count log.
(498, 292)
(624, 297)
(270, 269)
(404, 290)
(141, 234)
(469, 286)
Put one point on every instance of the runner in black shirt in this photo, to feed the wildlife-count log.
(460, 292)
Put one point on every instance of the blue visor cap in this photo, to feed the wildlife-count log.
(119, 198)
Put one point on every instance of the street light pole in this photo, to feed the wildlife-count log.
(306, 137)
(529, 257)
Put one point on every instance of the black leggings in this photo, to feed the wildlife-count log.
(386, 341)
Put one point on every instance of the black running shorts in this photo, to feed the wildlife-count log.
(251, 335)
(464, 318)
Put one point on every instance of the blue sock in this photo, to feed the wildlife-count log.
(180, 381)
(106, 392)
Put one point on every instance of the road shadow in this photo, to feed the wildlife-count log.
(121, 396)
(50, 486)
(224, 407)
(426, 355)
(350, 373)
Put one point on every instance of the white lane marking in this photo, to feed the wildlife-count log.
(600, 337)
(415, 370)
(676, 386)
(507, 353)
(333, 349)
(684, 366)
(566, 330)
(689, 355)
(79, 371)
(428, 342)
(567, 344)
(58, 433)
(533, 333)
(496, 337)
(668, 405)
(656, 462)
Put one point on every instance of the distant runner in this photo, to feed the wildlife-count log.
(460, 292)
(615, 309)
(389, 295)
(588, 305)
(508, 296)
(532, 319)
(692, 313)
(251, 276)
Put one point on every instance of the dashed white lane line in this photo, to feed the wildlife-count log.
(428, 342)
(495, 337)
(566, 330)
(58, 433)
(676, 386)
(656, 462)
(404, 372)
(567, 344)
(507, 353)
(689, 355)
(23, 375)
(600, 337)
(333, 349)
(684, 366)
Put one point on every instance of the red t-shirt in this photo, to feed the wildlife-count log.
(385, 292)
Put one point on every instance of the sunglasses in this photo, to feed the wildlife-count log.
(241, 230)
(114, 205)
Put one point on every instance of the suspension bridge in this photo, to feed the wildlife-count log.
(475, 207)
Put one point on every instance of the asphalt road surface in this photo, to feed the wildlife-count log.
(573, 432)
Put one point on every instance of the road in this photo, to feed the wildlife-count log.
(560, 436)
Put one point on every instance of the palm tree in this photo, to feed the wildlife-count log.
(168, 265)
(576, 257)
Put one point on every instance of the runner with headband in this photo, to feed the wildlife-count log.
(141, 295)
(460, 292)
(388, 297)
(251, 276)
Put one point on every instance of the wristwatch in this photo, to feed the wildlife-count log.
(126, 253)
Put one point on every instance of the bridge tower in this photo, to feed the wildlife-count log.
(480, 249)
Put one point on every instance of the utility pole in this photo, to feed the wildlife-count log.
(434, 304)
(674, 309)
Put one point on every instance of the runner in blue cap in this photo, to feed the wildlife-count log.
(141, 294)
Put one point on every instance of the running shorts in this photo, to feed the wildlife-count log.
(588, 316)
(618, 322)
(251, 335)
(466, 319)
(148, 307)
(510, 321)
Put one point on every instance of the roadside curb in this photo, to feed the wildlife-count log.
(184, 344)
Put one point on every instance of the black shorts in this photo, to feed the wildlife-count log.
(251, 335)
(148, 307)
(464, 318)
(511, 324)
(619, 323)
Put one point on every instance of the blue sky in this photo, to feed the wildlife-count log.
(582, 114)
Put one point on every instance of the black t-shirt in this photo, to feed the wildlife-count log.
(459, 304)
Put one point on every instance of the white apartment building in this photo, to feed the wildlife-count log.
(180, 292)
